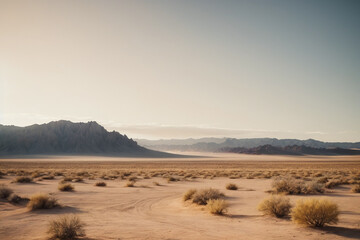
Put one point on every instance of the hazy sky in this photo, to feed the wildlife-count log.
(175, 69)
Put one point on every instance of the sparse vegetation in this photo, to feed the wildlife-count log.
(315, 212)
(65, 187)
(100, 184)
(5, 192)
(130, 184)
(276, 205)
(189, 194)
(356, 188)
(202, 196)
(156, 184)
(68, 227)
(42, 201)
(231, 186)
(217, 206)
(23, 179)
(289, 185)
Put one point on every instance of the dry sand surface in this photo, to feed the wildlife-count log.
(147, 211)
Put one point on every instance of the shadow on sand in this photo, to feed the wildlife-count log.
(353, 233)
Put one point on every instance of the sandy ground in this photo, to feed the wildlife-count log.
(158, 212)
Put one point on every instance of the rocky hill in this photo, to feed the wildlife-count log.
(68, 138)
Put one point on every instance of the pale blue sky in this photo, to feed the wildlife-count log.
(169, 69)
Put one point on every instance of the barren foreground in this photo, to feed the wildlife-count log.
(149, 211)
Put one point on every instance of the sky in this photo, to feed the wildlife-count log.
(180, 69)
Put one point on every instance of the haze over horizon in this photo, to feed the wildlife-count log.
(181, 69)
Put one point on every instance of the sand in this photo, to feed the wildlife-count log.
(158, 212)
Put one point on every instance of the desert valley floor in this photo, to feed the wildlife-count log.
(154, 209)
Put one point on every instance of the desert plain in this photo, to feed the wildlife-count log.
(152, 206)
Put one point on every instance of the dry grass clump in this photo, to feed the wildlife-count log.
(356, 188)
(315, 212)
(14, 198)
(5, 192)
(68, 227)
(23, 179)
(231, 186)
(100, 184)
(130, 184)
(42, 201)
(289, 185)
(217, 206)
(276, 205)
(156, 184)
(65, 187)
(189, 194)
(202, 196)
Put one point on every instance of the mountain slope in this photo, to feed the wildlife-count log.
(213, 145)
(68, 138)
(291, 150)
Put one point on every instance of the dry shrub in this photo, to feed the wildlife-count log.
(189, 194)
(42, 201)
(68, 227)
(48, 177)
(130, 184)
(231, 186)
(5, 192)
(65, 187)
(23, 179)
(315, 212)
(100, 184)
(276, 205)
(217, 206)
(201, 197)
(289, 185)
(156, 184)
(356, 188)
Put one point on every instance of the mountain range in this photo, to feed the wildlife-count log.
(292, 150)
(68, 138)
(216, 144)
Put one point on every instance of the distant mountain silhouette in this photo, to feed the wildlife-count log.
(215, 144)
(68, 138)
(292, 150)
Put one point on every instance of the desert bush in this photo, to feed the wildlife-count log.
(68, 227)
(217, 206)
(189, 194)
(276, 205)
(332, 183)
(287, 185)
(313, 187)
(23, 179)
(315, 212)
(100, 184)
(42, 201)
(130, 184)
(14, 198)
(356, 188)
(172, 179)
(201, 197)
(156, 184)
(5, 192)
(65, 187)
(231, 186)
(48, 177)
